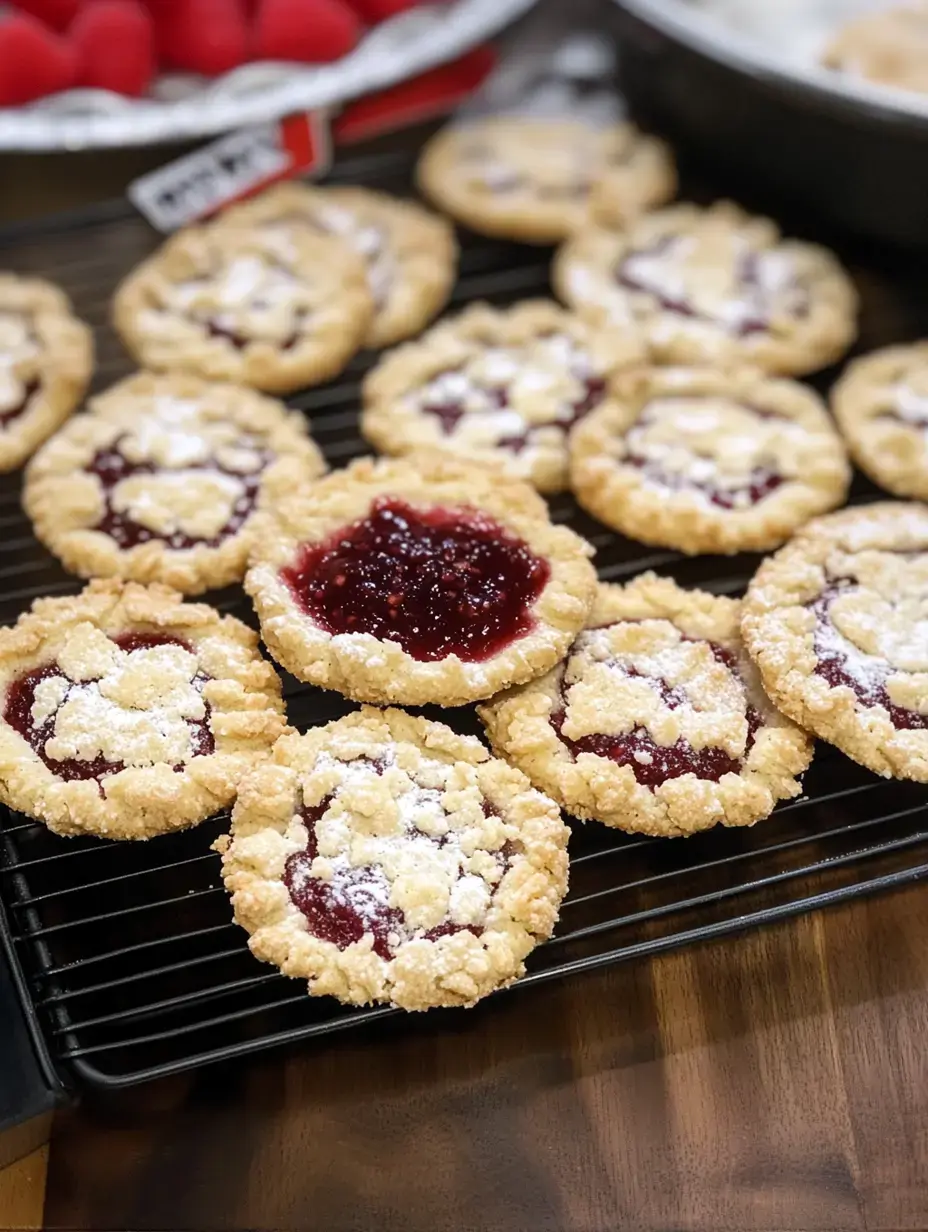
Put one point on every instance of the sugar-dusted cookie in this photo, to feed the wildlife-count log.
(505, 386)
(410, 254)
(537, 180)
(881, 405)
(713, 285)
(46, 360)
(708, 461)
(226, 303)
(656, 723)
(384, 858)
(128, 713)
(160, 480)
(837, 622)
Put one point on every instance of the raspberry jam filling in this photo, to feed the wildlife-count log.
(355, 902)
(20, 699)
(450, 411)
(840, 662)
(646, 270)
(112, 467)
(9, 413)
(439, 581)
(653, 763)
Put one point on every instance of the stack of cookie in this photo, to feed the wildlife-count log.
(383, 857)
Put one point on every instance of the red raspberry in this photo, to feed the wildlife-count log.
(201, 36)
(374, 11)
(310, 31)
(115, 45)
(34, 61)
(55, 13)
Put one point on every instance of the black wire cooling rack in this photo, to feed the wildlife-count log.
(127, 957)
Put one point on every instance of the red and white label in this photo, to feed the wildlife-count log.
(247, 161)
(235, 166)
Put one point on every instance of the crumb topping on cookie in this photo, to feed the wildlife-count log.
(20, 376)
(46, 359)
(708, 461)
(838, 623)
(82, 713)
(410, 254)
(502, 386)
(227, 303)
(716, 276)
(501, 395)
(881, 405)
(656, 722)
(535, 179)
(162, 478)
(127, 713)
(677, 705)
(384, 858)
(712, 284)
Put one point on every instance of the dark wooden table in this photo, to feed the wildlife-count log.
(776, 1080)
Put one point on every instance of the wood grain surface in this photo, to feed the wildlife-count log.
(22, 1191)
(776, 1080)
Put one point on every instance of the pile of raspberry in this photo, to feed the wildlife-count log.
(51, 45)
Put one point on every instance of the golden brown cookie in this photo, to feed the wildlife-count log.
(889, 47)
(707, 461)
(128, 713)
(417, 580)
(537, 180)
(656, 723)
(160, 482)
(226, 304)
(837, 622)
(384, 858)
(410, 254)
(712, 285)
(46, 360)
(499, 386)
(881, 405)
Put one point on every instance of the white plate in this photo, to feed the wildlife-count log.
(408, 44)
(777, 39)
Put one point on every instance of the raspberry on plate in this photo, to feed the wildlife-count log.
(310, 31)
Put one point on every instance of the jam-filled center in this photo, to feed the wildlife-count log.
(507, 395)
(132, 700)
(655, 760)
(875, 645)
(198, 500)
(438, 581)
(716, 278)
(732, 454)
(370, 885)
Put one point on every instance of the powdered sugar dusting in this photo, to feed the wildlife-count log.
(393, 856)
